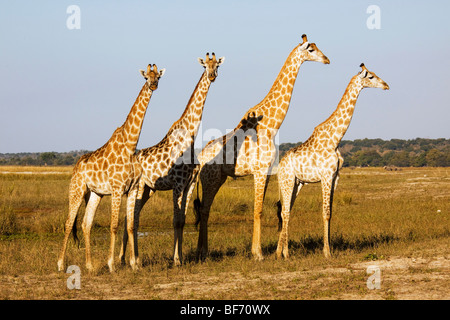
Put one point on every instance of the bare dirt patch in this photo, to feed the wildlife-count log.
(411, 278)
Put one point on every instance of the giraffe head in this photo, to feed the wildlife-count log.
(250, 122)
(152, 76)
(310, 52)
(370, 80)
(211, 65)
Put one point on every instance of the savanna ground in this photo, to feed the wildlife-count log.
(395, 220)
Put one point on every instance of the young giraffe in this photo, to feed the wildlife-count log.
(161, 165)
(255, 156)
(318, 160)
(110, 170)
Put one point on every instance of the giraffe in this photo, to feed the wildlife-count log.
(165, 166)
(319, 160)
(256, 154)
(110, 170)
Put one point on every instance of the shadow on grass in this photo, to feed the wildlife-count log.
(314, 244)
(306, 246)
(189, 257)
(213, 255)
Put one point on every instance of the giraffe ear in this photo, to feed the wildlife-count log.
(363, 74)
(304, 46)
(201, 61)
(161, 72)
(143, 73)
(220, 61)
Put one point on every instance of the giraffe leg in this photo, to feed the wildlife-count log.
(91, 207)
(77, 192)
(131, 229)
(179, 219)
(211, 180)
(260, 181)
(137, 214)
(116, 199)
(143, 194)
(289, 189)
(190, 188)
(327, 196)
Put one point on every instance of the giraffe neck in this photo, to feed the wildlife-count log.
(337, 124)
(131, 129)
(276, 103)
(191, 118)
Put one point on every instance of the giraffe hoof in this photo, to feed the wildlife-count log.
(257, 254)
(327, 254)
(258, 257)
(176, 262)
(90, 268)
(134, 266)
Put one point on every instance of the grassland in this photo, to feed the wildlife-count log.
(396, 220)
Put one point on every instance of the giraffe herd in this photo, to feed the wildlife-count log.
(116, 168)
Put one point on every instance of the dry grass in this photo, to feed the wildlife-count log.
(397, 220)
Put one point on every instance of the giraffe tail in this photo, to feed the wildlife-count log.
(278, 204)
(74, 232)
(197, 206)
(280, 219)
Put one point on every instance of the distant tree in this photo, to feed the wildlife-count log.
(401, 159)
(48, 158)
(435, 158)
(369, 158)
(419, 160)
(68, 160)
(356, 149)
(344, 142)
(409, 148)
(387, 157)
(28, 161)
(389, 145)
(426, 147)
(399, 143)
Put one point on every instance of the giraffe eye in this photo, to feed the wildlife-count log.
(310, 50)
(371, 77)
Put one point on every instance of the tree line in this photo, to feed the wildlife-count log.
(41, 158)
(395, 152)
(361, 152)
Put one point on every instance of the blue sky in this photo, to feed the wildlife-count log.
(63, 89)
